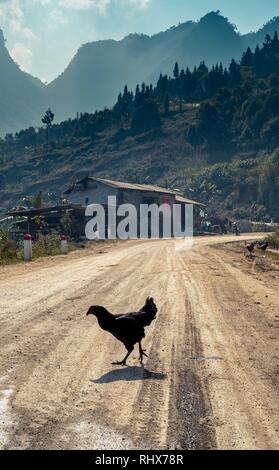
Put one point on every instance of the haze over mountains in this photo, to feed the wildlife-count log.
(22, 97)
(99, 70)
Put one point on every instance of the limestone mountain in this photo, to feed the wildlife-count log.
(22, 97)
(99, 70)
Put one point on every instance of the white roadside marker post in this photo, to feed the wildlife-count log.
(64, 244)
(27, 247)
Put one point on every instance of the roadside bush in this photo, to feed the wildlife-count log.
(245, 226)
(273, 240)
(3, 237)
(8, 249)
(46, 245)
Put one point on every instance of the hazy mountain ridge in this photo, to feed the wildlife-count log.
(17, 90)
(254, 38)
(99, 70)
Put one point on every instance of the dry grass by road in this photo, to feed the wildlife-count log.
(211, 378)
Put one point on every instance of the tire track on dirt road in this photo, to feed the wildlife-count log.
(53, 352)
(233, 326)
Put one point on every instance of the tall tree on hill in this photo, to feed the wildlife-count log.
(275, 43)
(258, 60)
(176, 70)
(247, 58)
(47, 119)
(162, 87)
(202, 67)
(38, 200)
(267, 42)
(137, 96)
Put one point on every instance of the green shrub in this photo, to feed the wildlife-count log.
(46, 245)
(9, 252)
(8, 249)
(273, 239)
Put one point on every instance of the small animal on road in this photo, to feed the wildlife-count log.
(128, 328)
(251, 247)
(263, 246)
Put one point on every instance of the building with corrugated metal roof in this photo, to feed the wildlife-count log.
(93, 190)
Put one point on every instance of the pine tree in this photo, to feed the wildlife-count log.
(176, 71)
(162, 87)
(275, 44)
(234, 73)
(202, 67)
(247, 58)
(137, 96)
(258, 61)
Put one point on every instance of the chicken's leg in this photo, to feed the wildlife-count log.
(123, 363)
(142, 353)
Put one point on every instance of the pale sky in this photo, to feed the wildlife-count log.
(43, 35)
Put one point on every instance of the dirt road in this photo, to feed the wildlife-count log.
(212, 376)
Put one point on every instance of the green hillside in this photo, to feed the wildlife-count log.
(212, 133)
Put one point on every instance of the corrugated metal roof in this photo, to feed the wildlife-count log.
(184, 200)
(137, 187)
(133, 186)
(44, 210)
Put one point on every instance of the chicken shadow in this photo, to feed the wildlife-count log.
(129, 374)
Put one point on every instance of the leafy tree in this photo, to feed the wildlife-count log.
(38, 200)
(47, 119)
(267, 42)
(210, 123)
(145, 117)
(202, 189)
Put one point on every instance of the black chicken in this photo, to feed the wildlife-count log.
(127, 328)
(263, 246)
(251, 247)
